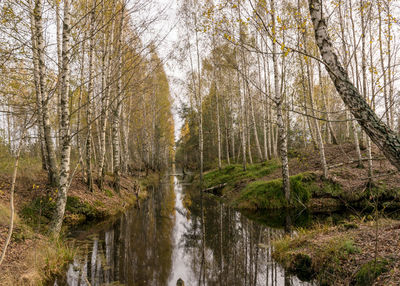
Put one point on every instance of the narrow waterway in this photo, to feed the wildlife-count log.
(179, 233)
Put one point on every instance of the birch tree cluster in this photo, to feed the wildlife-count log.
(266, 91)
(90, 92)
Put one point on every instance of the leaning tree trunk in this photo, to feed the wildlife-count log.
(385, 138)
(64, 125)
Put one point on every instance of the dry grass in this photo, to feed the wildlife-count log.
(42, 260)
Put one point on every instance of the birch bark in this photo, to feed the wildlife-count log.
(385, 138)
(58, 216)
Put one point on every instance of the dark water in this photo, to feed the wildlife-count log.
(179, 233)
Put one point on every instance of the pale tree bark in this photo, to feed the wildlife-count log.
(218, 127)
(304, 89)
(331, 131)
(228, 160)
(117, 108)
(389, 64)
(248, 135)
(344, 51)
(35, 58)
(267, 88)
(253, 121)
(316, 123)
(280, 122)
(242, 122)
(263, 156)
(199, 101)
(385, 138)
(217, 105)
(51, 155)
(89, 105)
(59, 40)
(364, 80)
(58, 216)
(356, 76)
(232, 127)
(105, 93)
(381, 53)
(79, 116)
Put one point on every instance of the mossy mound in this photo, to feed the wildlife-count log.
(269, 194)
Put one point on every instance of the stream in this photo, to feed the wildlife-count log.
(180, 233)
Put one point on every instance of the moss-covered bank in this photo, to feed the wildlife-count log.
(259, 187)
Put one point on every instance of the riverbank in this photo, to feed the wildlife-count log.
(351, 253)
(32, 258)
(259, 187)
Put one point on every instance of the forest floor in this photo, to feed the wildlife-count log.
(32, 257)
(358, 251)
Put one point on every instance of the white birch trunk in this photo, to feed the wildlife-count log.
(64, 125)
(51, 155)
(280, 122)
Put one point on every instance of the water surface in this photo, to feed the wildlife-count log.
(180, 233)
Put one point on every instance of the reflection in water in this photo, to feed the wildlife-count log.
(180, 233)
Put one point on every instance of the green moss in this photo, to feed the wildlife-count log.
(234, 174)
(76, 206)
(269, 194)
(370, 271)
(348, 247)
(39, 211)
(108, 193)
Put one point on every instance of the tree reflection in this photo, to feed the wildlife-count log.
(237, 250)
(181, 233)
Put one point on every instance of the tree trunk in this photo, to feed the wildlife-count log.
(385, 138)
(105, 94)
(51, 155)
(199, 105)
(58, 216)
(89, 106)
(117, 110)
(36, 80)
(330, 130)
(280, 122)
(317, 127)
